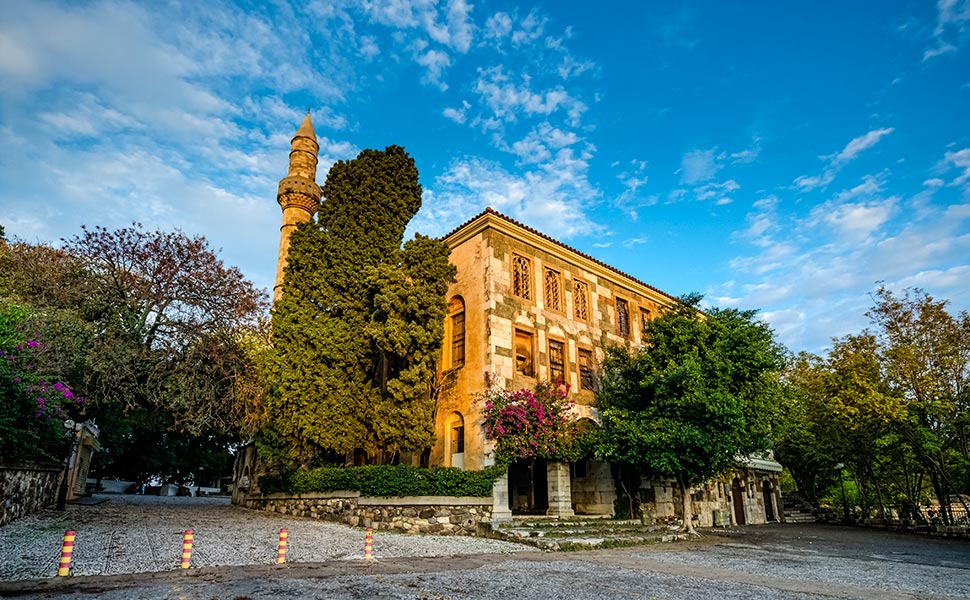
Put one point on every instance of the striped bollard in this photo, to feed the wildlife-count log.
(67, 551)
(281, 549)
(369, 543)
(187, 549)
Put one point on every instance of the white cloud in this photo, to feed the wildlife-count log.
(508, 99)
(856, 220)
(826, 263)
(961, 161)
(857, 145)
(540, 143)
(458, 115)
(698, 166)
(434, 61)
(952, 20)
(634, 242)
(498, 26)
(835, 162)
(551, 197)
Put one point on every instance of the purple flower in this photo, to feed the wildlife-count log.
(33, 344)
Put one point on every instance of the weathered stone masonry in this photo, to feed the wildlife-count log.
(26, 488)
(425, 514)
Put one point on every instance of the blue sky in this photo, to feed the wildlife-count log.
(778, 156)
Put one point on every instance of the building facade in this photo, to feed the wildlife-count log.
(526, 308)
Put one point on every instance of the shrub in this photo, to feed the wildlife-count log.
(33, 405)
(398, 480)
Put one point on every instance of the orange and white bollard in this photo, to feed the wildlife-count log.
(369, 543)
(67, 551)
(187, 549)
(281, 549)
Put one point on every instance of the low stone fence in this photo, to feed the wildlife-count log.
(417, 514)
(26, 488)
(933, 530)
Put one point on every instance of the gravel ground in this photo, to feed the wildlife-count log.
(783, 562)
(820, 553)
(132, 534)
(503, 581)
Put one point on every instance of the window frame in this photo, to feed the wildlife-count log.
(563, 360)
(588, 370)
(524, 334)
(645, 317)
(526, 281)
(584, 295)
(558, 282)
(456, 310)
(623, 328)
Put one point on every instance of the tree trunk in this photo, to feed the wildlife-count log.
(688, 508)
(532, 485)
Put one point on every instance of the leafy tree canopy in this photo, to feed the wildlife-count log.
(700, 394)
(358, 328)
(147, 325)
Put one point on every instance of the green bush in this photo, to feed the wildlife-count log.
(400, 480)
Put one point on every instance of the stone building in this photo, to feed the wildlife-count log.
(524, 308)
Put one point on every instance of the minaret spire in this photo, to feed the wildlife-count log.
(299, 194)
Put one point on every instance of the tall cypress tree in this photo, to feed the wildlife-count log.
(359, 326)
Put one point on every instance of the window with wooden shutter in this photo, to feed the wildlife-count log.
(557, 362)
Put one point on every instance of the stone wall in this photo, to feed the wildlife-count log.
(422, 514)
(594, 490)
(712, 502)
(26, 488)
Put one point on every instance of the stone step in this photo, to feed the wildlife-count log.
(800, 518)
(585, 532)
(563, 540)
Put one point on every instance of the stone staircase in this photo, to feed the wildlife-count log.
(797, 510)
(583, 533)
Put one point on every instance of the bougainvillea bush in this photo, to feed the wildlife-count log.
(539, 423)
(33, 404)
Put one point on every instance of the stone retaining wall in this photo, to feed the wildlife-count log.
(419, 514)
(27, 488)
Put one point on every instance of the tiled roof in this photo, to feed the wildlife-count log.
(490, 211)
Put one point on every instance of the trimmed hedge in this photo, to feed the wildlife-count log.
(386, 480)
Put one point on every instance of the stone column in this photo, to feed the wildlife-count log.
(500, 500)
(560, 489)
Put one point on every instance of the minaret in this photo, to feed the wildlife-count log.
(299, 194)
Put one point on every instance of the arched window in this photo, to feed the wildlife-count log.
(456, 314)
(521, 277)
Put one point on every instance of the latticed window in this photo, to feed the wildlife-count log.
(553, 289)
(521, 277)
(557, 363)
(586, 369)
(622, 317)
(581, 300)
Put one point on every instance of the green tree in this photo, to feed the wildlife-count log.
(802, 442)
(357, 331)
(700, 394)
(145, 324)
(924, 352)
